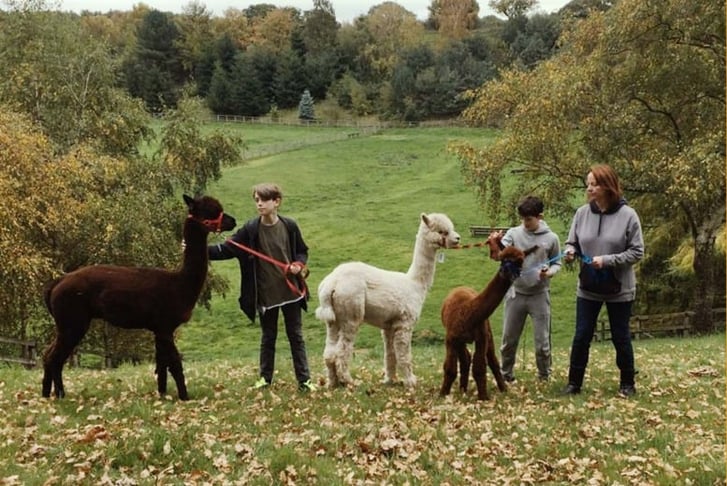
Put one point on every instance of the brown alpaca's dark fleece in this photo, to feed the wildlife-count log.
(134, 298)
(465, 316)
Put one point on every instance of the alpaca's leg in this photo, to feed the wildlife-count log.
(465, 361)
(492, 361)
(168, 358)
(330, 353)
(175, 368)
(161, 358)
(479, 367)
(387, 336)
(345, 352)
(402, 350)
(59, 351)
(449, 368)
(51, 365)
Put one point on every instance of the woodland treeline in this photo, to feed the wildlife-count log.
(638, 84)
(260, 59)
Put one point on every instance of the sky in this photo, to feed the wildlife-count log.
(346, 10)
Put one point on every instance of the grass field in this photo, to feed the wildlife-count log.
(360, 198)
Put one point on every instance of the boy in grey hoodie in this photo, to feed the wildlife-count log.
(530, 294)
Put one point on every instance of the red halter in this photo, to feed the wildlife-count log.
(212, 225)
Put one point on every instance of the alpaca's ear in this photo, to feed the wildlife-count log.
(425, 219)
(189, 201)
(530, 250)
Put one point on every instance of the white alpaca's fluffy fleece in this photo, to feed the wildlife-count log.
(356, 292)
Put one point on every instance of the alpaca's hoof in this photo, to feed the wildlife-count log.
(410, 382)
(390, 380)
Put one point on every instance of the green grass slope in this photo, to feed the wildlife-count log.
(360, 199)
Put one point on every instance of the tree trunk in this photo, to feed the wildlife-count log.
(705, 269)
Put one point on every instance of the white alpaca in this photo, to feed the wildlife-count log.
(356, 292)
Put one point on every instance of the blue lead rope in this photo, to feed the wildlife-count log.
(584, 258)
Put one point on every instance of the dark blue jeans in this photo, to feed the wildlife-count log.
(619, 314)
(294, 331)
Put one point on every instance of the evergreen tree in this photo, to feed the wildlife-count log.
(153, 71)
(305, 107)
(219, 92)
(289, 80)
(247, 96)
(222, 52)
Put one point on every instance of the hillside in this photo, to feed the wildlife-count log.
(360, 199)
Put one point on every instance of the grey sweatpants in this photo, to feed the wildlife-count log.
(517, 308)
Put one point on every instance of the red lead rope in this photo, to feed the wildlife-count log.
(470, 245)
(285, 267)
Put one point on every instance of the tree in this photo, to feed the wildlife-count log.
(70, 165)
(454, 19)
(319, 35)
(233, 24)
(220, 55)
(391, 29)
(641, 87)
(247, 94)
(290, 79)
(320, 27)
(195, 37)
(428, 85)
(306, 110)
(536, 41)
(153, 72)
(219, 92)
(513, 8)
(274, 31)
(64, 79)
(193, 160)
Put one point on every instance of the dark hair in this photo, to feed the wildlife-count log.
(607, 178)
(530, 206)
(267, 191)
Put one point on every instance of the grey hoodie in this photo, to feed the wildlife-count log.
(614, 235)
(548, 253)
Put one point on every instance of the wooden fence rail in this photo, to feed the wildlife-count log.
(19, 351)
(484, 231)
(653, 325)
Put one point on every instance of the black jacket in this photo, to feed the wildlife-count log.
(248, 236)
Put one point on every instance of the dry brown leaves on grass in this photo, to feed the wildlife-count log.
(111, 429)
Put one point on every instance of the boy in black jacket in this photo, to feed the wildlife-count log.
(272, 257)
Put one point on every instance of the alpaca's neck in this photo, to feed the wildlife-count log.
(194, 265)
(423, 264)
(487, 301)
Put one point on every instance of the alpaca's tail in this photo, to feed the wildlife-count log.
(325, 312)
(47, 291)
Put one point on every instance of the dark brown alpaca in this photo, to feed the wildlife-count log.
(465, 316)
(134, 298)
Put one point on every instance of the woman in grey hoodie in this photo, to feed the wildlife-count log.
(606, 235)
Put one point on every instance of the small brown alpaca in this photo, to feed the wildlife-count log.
(465, 316)
(134, 298)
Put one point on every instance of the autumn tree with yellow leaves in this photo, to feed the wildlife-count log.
(640, 87)
(76, 188)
